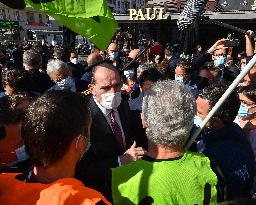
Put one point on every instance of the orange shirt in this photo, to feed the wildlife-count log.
(66, 191)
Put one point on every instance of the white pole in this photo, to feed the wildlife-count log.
(245, 70)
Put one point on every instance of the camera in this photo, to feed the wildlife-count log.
(231, 43)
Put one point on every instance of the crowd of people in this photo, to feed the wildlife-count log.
(113, 130)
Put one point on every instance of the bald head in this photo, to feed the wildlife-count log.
(102, 69)
(133, 53)
(94, 58)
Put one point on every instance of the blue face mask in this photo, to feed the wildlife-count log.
(198, 121)
(221, 60)
(129, 73)
(179, 79)
(113, 55)
(243, 111)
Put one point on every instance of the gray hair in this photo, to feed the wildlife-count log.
(143, 67)
(32, 58)
(57, 65)
(169, 110)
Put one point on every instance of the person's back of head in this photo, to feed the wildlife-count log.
(32, 60)
(53, 121)
(15, 81)
(168, 110)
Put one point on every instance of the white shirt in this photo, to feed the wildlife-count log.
(106, 113)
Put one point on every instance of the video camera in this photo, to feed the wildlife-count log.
(231, 42)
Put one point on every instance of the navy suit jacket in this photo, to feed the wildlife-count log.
(94, 168)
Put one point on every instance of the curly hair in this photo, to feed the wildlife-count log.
(249, 92)
(56, 65)
(53, 121)
(18, 80)
(169, 110)
(12, 109)
(32, 58)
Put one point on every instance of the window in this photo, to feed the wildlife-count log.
(30, 17)
(47, 19)
(17, 15)
(40, 18)
(2, 14)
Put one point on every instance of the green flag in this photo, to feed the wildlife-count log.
(90, 18)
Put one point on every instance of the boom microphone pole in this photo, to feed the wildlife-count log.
(224, 25)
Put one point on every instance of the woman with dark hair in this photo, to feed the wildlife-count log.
(246, 117)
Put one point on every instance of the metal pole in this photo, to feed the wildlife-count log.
(246, 69)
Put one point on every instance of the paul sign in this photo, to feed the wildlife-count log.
(150, 14)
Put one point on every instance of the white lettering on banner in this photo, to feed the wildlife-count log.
(151, 14)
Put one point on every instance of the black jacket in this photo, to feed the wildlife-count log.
(39, 82)
(94, 168)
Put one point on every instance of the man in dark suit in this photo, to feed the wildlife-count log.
(111, 141)
(39, 81)
(77, 68)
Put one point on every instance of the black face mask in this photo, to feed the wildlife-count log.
(2, 132)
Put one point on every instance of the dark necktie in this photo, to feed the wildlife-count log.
(117, 130)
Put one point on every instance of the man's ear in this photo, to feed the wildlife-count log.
(79, 143)
(144, 123)
(91, 87)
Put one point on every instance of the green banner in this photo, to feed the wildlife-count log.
(89, 18)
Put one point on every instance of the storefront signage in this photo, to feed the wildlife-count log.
(9, 24)
(149, 14)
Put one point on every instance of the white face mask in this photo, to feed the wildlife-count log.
(198, 121)
(179, 79)
(129, 73)
(74, 60)
(111, 100)
(67, 84)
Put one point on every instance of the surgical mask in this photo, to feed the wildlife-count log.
(242, 67)
(129, 73)
(74, 60)
(21, 154)
(198, 121)
(243, 111)
(179, 79)
(66, 84)
(111, 100)
(113, 55)
(221, 60)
